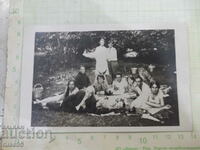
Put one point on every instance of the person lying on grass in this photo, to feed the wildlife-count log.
(72, 100)
(69, 101)
(71, 89)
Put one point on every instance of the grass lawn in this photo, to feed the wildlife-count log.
(56, 118)
(52, 118)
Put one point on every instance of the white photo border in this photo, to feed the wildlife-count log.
(182, 69)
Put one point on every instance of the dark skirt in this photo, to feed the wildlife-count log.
(70, 102)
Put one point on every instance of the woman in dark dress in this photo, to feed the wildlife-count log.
(55, 103)
(72, 100)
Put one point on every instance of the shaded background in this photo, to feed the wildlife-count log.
(61, 50)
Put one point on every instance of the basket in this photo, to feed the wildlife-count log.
(134, 70)
(38, 91)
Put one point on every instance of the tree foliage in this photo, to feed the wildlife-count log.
(64, 49)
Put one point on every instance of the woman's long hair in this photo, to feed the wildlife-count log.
(67, 92)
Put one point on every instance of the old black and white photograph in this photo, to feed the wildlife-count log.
(105, 78)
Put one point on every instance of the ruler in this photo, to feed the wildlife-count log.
(4, 8)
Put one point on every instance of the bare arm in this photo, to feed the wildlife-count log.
(157, 105)
(153, 104)
(75, 91)
(82, 102)
(63, 96)
(89, 55)
(162, 101)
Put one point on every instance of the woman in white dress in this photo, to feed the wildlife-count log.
(100, 55)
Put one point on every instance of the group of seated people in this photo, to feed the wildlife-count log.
(128, 93)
